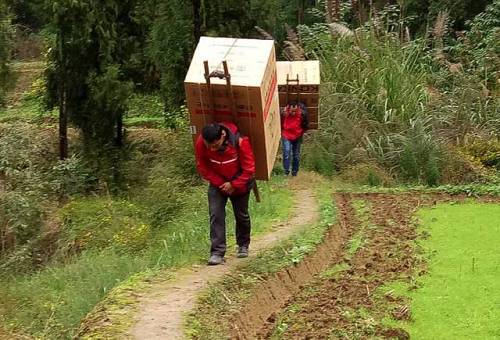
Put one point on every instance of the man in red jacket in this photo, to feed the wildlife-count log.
(225, 159)
(294, 122)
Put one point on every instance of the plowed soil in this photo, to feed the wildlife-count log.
(346, 305)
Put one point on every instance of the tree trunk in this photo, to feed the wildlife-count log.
(196, 20)
(119, 131)
(355, 9)
(63, 112)
(63, 123)
(337, 10)
(300, 15)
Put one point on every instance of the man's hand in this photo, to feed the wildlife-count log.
(227, 188)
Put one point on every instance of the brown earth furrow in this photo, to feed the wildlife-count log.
(271, 296)
(345, 306)
(343, 303)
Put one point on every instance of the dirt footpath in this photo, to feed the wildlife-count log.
(162, 316)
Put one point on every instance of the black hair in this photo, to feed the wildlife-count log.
(212, 132)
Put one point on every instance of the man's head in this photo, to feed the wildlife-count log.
(292, 108)
(214, 136)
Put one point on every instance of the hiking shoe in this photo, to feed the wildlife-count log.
(215, 259)
(242, 252)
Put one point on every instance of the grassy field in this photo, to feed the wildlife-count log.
(459, 298)
(49, 304)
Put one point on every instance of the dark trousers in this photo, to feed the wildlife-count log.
(217, 208)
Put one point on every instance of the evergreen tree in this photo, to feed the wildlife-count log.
(85, 77)
(30, 14)
(172, 42)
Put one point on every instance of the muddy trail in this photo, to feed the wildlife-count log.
(344, 303)
(162, 315)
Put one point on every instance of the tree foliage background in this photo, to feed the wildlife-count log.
(104, 50)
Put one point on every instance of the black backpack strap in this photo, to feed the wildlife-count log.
(233, 138)
(237, 137)
(305, 115)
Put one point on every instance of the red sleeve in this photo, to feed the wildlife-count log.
(247, 163)
(203, 164)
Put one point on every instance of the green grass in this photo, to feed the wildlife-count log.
(358, 240)
(459, 298)
(334, 271)
(143, 110)
(144, 121)
(31, 110)
(51, 303)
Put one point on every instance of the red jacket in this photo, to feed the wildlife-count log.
(292, 123)
(235, 164)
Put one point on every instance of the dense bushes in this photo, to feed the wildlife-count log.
(388, 102)
(151, 173)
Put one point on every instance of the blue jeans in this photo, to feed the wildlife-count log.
(291, 148)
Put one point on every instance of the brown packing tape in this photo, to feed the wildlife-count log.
(247, 101)
(307, 98)
(299, 88)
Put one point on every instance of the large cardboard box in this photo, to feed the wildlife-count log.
(252, 66)
(307, 90)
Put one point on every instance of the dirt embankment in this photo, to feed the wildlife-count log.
(271, 296)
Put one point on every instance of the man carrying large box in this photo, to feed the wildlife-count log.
(226, 161)
(247, 101)
(252, 66)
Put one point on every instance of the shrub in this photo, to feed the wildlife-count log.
(421, 155)
(377, 106)
(479, 46)
(149, 105)
(98, 223)
(71, 176)
(485, 151)
(26, 154)
(367, 174)
(317, 155)
(20, 219)
(460, 168)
